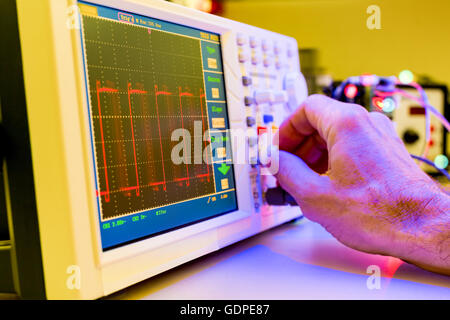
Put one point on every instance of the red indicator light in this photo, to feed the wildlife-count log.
(351, 91)
(378, 102)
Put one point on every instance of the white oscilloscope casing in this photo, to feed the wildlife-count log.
(67, 214)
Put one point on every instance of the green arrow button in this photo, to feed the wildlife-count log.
(224, 168)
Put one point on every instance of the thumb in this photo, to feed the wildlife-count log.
(299, 180)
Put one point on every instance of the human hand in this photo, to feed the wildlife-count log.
(349, 171)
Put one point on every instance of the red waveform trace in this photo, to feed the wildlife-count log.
(129, 188)
(140, 96)
(130, 92)
(157, 93)
(102, 193)
(137, 91)
(105, 89)
(203, 95)
(99, 90)
(155, 183)
(181, 94)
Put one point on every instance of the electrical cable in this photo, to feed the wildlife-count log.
(425, 101)
(431, 163)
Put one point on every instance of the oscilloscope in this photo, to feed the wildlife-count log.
(122, 118)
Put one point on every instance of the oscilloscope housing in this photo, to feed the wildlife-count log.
(49, 226)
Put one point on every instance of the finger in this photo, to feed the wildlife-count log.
(310, 151)
(298, 179)
(328, 117)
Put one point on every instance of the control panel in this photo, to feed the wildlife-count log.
(273, 88)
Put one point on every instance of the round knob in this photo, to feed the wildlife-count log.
(280, 97)
(296, 89)
(410, 136)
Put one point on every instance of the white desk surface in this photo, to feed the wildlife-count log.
(293, 261)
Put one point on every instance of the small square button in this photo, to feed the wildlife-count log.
(221, 152)
(215, 93)
(224, 184)
(212, 63)
(218, 123)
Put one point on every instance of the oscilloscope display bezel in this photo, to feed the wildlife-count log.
(114, 242)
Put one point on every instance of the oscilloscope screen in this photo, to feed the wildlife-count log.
(144, 84)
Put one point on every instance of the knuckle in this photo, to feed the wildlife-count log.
(378, 116)
(353, 116)
(316, 100)
(383, 123)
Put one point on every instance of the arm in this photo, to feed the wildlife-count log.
(349, 171)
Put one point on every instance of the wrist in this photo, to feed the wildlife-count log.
(422, 229)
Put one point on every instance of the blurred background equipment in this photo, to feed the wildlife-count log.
(209, 6)
(419, 112)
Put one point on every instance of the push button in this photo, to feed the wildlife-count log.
(255, 59)
(265, 45)
(241, 40)
(248, 101)
(242, 57)
(278, 64)
(277, 49)
(252, 141)
(251, 121)
(246, 81)
(268, 118)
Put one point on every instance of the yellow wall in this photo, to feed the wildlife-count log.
(414, 34)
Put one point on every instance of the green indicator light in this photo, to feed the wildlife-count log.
(212, 79)
(211, 50)
(441, 161)
(388, 105)
(406, 77)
